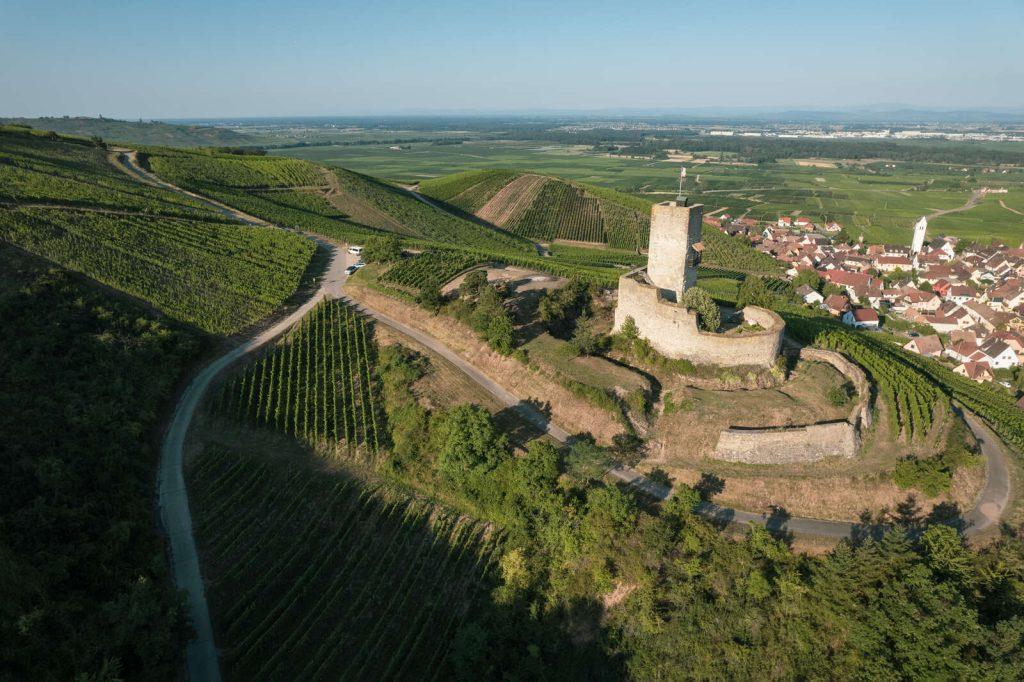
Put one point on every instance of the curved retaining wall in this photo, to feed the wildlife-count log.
(788, 445)
(672, 329)
(861, 413)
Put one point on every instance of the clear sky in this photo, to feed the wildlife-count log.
(209, 58)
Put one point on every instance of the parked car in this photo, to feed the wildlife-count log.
(355, 250)
(350, 269)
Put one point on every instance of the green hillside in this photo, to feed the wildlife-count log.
(546, 208)
(86, 376)
(136, 132)
(63, 199)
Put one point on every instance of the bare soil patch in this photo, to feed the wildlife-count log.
(519, 279)
(565, 409)
(512, 200)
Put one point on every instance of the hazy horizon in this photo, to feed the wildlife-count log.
(267, 59)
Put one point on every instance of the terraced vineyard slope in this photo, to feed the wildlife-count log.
(64, 200)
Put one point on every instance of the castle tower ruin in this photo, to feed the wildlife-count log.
(671, 257)
(652, 297)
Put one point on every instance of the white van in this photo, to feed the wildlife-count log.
(355, 250)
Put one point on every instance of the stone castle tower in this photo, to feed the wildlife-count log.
(671, 257)
(651, 297)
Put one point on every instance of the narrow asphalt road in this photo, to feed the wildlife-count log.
(173, 496)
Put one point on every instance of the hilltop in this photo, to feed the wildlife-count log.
(136, 132)
(546, 208)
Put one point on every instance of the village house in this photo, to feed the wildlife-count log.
(976, 371)
(998, 354)
(928, 346)
(836, 304)
(861, 318)
(809, 295)
(1006, 296)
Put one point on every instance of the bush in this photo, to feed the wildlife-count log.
(839, 395)
(700, 301)
(933, 475)
(473, 284)
(382, 249)
(430, 297)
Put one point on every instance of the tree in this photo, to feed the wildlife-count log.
(473, 283)
(808, 277)
(430, 296)
(382, 249)
(469, 445)
(700, 301)
(501, 333)
(754, 292)
(629, 330)
(585, 340)
(559, 308)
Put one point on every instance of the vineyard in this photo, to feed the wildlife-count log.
(318, 383)
(731, 253)
(545, 208)
(217, 276)
(315, 576)
(425, 221)
(196, 170)
(430, 267)
(911, 398)
(468, 191)
(35, 169)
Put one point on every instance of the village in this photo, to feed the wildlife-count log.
(961, 303)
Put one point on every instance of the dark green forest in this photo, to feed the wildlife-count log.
(86, 376)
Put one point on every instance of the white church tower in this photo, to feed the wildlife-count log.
(918, 243)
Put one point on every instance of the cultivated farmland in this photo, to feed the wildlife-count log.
(66, 202)
(315, 575)
(430, 267)
(318, 384)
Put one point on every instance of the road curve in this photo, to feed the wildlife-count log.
(173, 496)
(201, 653)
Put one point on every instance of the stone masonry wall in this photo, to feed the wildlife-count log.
(861, 413)
(672, 330)
(675, 228)
(788, 445)
(809, 443)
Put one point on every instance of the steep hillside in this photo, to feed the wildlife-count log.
(85, 375)
(331, 201)
(62, 199)
(546, 208)
(136, 132)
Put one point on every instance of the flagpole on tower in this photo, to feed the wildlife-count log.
(682, 175)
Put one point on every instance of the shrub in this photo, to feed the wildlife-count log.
(382, 249)
(700, 301)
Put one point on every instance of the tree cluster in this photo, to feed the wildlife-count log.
(83, 572)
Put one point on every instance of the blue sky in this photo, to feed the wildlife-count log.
(186, 58)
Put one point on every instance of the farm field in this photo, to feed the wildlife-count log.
(880, 203)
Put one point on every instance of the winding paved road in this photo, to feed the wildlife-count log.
(173, 495)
